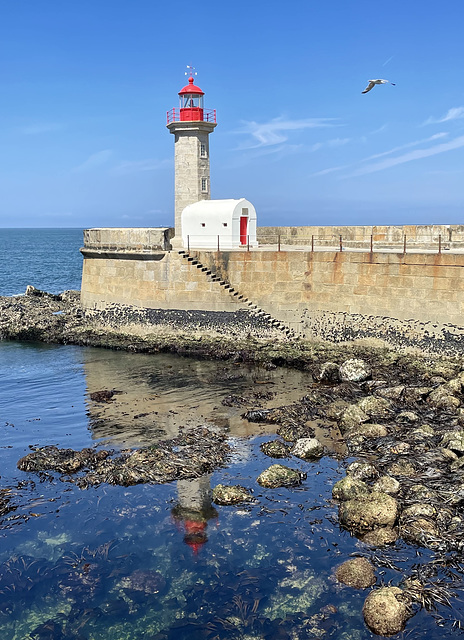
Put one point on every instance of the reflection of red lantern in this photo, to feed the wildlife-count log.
(195, 534)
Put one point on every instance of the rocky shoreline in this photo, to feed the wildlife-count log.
(400, 415)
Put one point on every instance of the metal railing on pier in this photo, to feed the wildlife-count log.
(370, 244)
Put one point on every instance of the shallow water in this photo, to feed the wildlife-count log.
(163, 561)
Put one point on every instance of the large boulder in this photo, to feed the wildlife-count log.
(278, 475)
(355, 370)
(386, 611)
(369, 512)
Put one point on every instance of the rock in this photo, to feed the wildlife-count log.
(349, 488)
(225, 495)
(336, 409)
(402, 468)
(441, 399)
(420, 531)
(387, 484)
(386, 611)
(454, 386)
(407, 417)
(399, 448)
(357, 573)
(308, 448)
(369, 430)
(416, 394)
(424, 431)
(420, 493)
(454, 440)
(418, 509)
(381, 536)
(369, 512)
(362, 470)
(352, 417)
(329, 372)
(277, 475)
(145, 580)
(355, 370)
(275, 449)
(391, 393)
(375, 407)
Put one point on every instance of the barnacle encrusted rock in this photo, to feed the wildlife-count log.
(234, 494)
(349, 488)
(278, 475)
(275, 449)
(357, 573)
(369, 512)
(386, 611)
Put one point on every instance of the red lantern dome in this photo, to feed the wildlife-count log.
(191, 106)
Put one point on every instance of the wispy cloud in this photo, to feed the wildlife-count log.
(136, 166)
(436, 136)
(95, 160)
(276, 130)
(418, 154)
(41, 127)
(335, 142)
(387, 61)
(455, 113)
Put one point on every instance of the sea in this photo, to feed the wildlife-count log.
(162, 562)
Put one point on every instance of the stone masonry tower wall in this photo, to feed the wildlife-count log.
(192, 171)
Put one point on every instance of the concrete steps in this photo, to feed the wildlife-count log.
(231, 290)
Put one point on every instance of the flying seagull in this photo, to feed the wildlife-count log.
(372, 83)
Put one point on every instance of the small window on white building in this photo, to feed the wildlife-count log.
(244, 211)
(204, 185)
(224, 224)
(202, 150)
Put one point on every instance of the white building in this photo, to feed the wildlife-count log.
(219, 224)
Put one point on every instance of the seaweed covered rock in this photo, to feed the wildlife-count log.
(369, 512)
(278, 475)
(386, 611)
(190, 455)
(357, 573)
(275, 449)
(234, 494)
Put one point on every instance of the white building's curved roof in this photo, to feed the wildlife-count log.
(217, 208)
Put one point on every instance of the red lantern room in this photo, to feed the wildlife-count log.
(191, 106)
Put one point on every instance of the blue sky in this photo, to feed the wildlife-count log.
(85, 87)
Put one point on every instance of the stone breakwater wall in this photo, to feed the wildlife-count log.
(425, 236)
(406, 300)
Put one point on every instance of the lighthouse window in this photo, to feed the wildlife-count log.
(203, 150)
(204, 184)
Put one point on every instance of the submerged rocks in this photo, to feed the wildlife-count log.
(227, 495)
(357, 573)
(386, 611)
(278, 475)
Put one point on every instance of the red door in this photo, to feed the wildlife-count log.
(243, 229)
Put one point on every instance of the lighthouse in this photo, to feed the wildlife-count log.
(191, 125)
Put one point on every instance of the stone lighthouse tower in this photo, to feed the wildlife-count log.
(191, 125)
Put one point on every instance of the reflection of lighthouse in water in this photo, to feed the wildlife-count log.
(193, 510)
